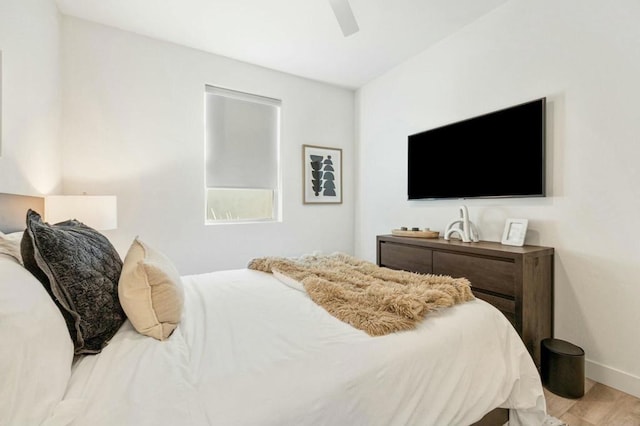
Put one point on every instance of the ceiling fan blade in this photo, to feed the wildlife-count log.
(345, 17)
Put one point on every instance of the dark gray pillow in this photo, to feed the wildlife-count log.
(80, 269)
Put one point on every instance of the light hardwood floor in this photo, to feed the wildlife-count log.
(600, 406)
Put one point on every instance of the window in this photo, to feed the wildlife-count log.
(242, 148)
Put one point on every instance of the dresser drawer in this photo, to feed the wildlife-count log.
(506, 306)
(493, 275)
(405, 257)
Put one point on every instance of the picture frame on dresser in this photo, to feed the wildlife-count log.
(515, 231)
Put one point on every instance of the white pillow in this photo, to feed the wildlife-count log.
(36, 351)
(10, 244)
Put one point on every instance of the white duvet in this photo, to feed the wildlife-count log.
(253, 351)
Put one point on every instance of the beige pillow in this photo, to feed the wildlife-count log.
(150, 291)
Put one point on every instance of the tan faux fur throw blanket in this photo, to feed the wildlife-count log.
(374, 299)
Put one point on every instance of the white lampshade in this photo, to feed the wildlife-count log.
(96, 211)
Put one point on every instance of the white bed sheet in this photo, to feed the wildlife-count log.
(253, 351)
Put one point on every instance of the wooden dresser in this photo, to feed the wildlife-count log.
(516, 280)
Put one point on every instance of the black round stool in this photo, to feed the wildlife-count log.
(562, 367)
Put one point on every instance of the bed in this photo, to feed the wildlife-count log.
(252, 349)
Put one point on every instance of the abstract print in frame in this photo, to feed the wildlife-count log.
(322, 168)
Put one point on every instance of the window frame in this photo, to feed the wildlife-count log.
(277, 201)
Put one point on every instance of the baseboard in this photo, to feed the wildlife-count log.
(617, 379)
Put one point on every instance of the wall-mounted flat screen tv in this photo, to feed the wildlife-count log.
(499, 154)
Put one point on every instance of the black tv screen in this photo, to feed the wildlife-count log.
(499, 154)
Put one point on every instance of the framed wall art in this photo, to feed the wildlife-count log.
(322, 174)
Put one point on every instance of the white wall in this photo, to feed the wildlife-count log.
(584, 56)
(30, 151)
(133, 126)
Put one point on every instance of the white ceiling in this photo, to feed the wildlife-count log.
(300, 37)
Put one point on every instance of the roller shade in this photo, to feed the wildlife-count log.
(241, 140)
